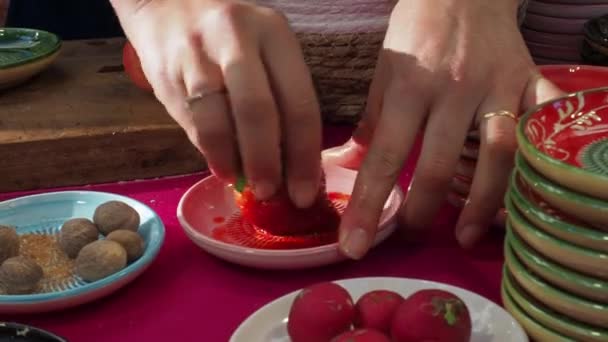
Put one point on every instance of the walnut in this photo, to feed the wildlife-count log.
(100, 259)
(75, 234)
(9, 243)
(131, 241)
(20, 275)
(114, 215)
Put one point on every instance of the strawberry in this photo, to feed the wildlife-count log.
(375, 310)
(279, 216)
(432, 315)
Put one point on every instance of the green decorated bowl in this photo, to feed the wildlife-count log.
(534, 330)
(566, 140)
(549, 318)
(552, 220)
(583, 310)
(25, 53)
(576, 258)
(585, 208)
(562, 277)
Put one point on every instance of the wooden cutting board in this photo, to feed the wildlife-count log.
(82, 121)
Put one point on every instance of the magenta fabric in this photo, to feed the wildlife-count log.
(189, 295)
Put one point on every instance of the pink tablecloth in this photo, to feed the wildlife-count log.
(188, 295)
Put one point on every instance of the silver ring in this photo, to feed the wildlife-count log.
(193, 99)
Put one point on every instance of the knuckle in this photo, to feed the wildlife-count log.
(385, 163)
(501, 140)
(232, 11)
(274, 18)
(253, 111)
(436, 173)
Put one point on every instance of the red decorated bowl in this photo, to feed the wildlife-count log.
(566, 140)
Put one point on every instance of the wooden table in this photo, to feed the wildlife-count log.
(82, 121)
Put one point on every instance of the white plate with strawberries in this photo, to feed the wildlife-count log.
(217, 218)
(381, 309)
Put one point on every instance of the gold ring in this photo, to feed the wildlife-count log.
(500, 113)
(191, 100)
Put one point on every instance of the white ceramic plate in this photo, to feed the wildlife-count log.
(491, 323)
(210, 198)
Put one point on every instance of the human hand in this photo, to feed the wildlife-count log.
(444, 65)
(232, 74)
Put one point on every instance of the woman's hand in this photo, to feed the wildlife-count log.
(444, 65)
(233, 76)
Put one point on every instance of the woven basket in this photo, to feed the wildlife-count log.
(342, 67)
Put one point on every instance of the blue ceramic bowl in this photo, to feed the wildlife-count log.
(45, 213)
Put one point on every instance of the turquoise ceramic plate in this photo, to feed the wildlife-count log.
(44, 214)
(20, 46)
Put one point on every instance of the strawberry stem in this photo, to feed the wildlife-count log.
(240, 184)
(450, 314)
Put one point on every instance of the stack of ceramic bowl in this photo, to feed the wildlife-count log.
(555, 279)
(553, 29)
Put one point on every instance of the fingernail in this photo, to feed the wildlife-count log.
(468, 235)
(263, 190)
(303, 194)
(355, 244)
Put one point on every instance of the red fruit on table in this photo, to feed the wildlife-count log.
(133, 69)
(375, 310)
(362, 335)
(320, 312)
(432, 315)
(279, 216)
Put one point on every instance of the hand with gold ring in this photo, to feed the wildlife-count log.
(233, 75)
(444, 65)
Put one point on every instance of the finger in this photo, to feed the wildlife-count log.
(301, 117)
(466, 168)
(349, 155)
(443, 140)
(256, 118)
(207, 119)
(498, 145)
(402, 114)
(460, 186)
(538, 90)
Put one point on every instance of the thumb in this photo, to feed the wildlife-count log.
(350, 155)
(539, 90)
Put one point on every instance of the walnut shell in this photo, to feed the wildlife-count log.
(9, 243)
(114, 215)
(75, 234)
(20, 275)
(131, 241)
(100, 259)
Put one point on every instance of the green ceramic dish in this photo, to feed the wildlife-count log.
(43, 45)
(576, 258)
(553, 221)
(534, 330)
(554, 273)
(25, 53)
(582, 310)
(583, 207)
(563, 138)
(548, 318)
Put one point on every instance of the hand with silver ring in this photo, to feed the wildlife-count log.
(444, 65)
(233, 75)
